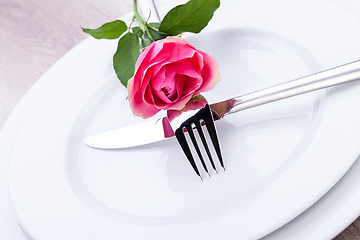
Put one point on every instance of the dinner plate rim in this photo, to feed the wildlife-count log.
(36, 87)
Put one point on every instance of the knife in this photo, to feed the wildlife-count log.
(161, 129)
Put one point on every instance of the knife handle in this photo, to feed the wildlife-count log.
(334, 76)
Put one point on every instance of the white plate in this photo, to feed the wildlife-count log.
(278, 164)
(9, 227)
(323, 220)
(330, 215)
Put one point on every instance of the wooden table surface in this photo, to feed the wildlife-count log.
(34, 34)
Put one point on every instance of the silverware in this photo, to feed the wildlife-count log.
(204, 117)
(162, 128)
(207, 115)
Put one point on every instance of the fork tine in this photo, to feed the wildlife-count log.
(205, 115)
(191, 133)
(210, 125)
(179, 133)
(202, 136)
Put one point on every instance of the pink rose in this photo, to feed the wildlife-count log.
(168, 73)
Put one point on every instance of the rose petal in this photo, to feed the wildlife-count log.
(144, 56)
(148, 96)
(179, 104)
(192, 85)
(158, 79)
(184, 67)
(160, 100)
(210, 73)
(181, 52)
(145, 81)
(141, 108)
(198, 61)
(176, 40)
(179, 87)
(152, 55)
(164, 53)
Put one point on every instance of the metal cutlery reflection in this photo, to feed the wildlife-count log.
(207, 115)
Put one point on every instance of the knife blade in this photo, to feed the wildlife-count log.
(161, 129)
(131, 136)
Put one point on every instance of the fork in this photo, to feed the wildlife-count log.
(202, 117)
(207, 115)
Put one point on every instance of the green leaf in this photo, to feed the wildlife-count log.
(145, 40)
(155, 25)
(192, 16)
(152, 30)
(110, 30)
(156, 34)
(137, 31)
(125, 57)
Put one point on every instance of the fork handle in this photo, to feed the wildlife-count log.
(334, 76)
